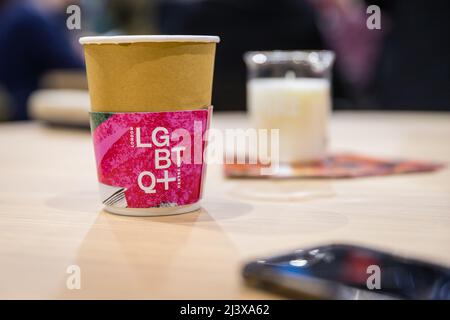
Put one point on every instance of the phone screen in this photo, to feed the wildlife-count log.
(360, 268)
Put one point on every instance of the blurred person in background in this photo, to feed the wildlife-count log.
(404, 65)
(116, 17)
(33, 41)
(413, 70)
(250, 25)
(132, 17)
(342, 23)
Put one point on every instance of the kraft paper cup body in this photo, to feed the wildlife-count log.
(150, 74)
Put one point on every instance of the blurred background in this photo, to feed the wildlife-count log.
(402, 66)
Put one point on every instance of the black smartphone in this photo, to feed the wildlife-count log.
(349, 272)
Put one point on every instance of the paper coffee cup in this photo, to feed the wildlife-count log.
(143, 91)
(149, 73)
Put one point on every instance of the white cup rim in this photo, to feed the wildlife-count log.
(147, 38)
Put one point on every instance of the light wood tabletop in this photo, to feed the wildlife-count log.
(51, 218)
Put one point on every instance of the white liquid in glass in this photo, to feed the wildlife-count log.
(299, 107)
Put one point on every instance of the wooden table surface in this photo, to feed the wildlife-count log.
(51, 218)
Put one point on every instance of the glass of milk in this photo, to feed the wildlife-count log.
(290, 91)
